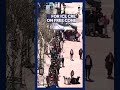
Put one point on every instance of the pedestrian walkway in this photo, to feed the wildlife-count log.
(75, 65)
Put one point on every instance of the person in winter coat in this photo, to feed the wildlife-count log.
(101, 25)
(109, 61)
(58, 67)
(77, 37)
(47, 80)
(80, 53)
(106, 22)
(88, 66)
(71, 54)
(72, 74)
(92, 22)
(62, 58)
(79, 10)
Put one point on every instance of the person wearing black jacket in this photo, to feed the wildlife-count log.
(47, 80)
(71, 54)
(87, 21)
(62, 58)
(80, 53)
(109, 61)
(88, 66)
(92, 22)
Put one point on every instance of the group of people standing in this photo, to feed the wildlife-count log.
(57, 61)
(96, 23)
(109, 61)
(72, 35)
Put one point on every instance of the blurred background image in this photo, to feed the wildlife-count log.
(99, 44)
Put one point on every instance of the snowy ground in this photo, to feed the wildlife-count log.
(77, 64)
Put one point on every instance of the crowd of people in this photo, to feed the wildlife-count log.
(96, 23)
(72, 35)
(57, 60)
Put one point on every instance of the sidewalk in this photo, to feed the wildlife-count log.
(77, 64)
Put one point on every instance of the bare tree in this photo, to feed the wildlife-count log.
(20, 33)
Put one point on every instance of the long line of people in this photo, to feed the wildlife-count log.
(56, 61)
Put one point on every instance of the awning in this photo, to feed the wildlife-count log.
(73, 25)
(68, 28)
(56, 26)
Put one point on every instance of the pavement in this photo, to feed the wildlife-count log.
(77, 64)
(98, 48)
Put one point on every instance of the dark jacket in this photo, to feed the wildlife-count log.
(71, 52)
(80, 51)
(92, 18)
(62, 58)
(108, 63)
(91, 64)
